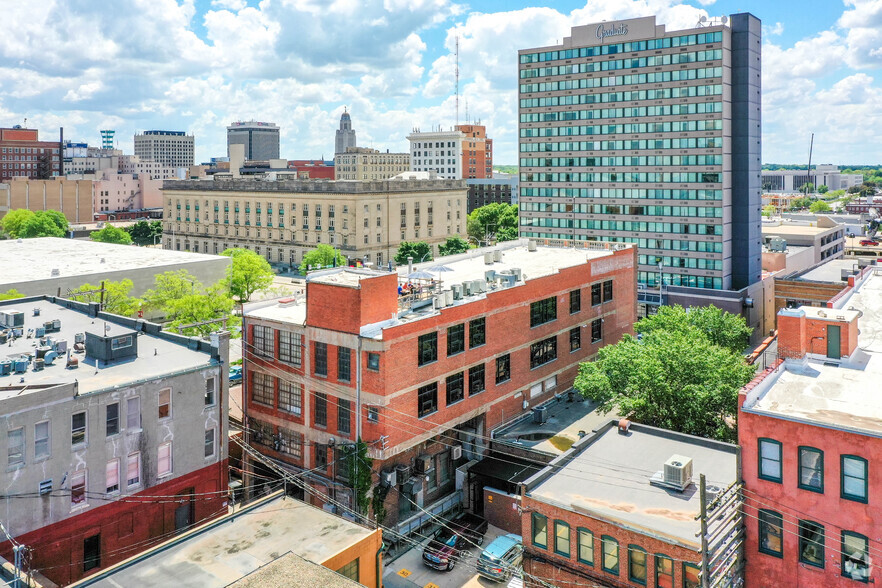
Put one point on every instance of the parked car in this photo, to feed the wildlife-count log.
(450, 542)
(502, 558)
(868, 243)
(235, 373)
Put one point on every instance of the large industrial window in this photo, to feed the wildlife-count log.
(165, 403)
(373, 362)
(854, 478)
(543, 311)
(262, 339)
(855, 561)
(769, 454)
(476, 379)
(811, 469)
(596, 294)
(344, 360)
(133, 414)
(111, 476)
(455, 391)
(771, 525)
(477, 334)
(209, 392)
(455, 339)
(133, 469)
(543, 352)
(350, 570)
(691, 576)
(427, 399)
(320, 409)
(344, 416)
(637, 564)
(320, 361)
(291, 443)
(503, 368)
(290, 348)
(586, 547)
(664, 571)
(78, 488)
(209, 443)
(811, 543)
(610, 555)
(575, 301)
(562, 538)
(427, 348)
(262, 388)
(164, 462)
(78, 428)
(539, 531)
(290, 397)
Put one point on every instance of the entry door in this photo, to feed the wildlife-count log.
(833, 342)
(184, 513)
(92, 552)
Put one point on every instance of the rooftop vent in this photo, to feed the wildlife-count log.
(108, 348)
(55, 272)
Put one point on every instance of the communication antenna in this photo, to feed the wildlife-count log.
(467, 111)
(456, 73)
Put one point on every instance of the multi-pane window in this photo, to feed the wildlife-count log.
(112, 419)
(596, 330)
(455, 391)
(575, 339)
(543, 352)
(262, 388)
(664, 572)
(263, 340)
(539, 532)
(291, 347)
(320, 359)
(771, 525)
(321, 456)
(477, 335)
(455, 339)
(41, 440)
(543, 311)
(811, 469)
(344, 359)
(165, 403)
(691, 576)
(291, 443)
(427, 399)
(373, 414)
(854, 478)
(290, 397)
(373, 362)
(607, 291)
(636, 564)
(164, 461)
(427, 348)
(78, 488)
(209, 442)
(320, 409)
(261, 432)
(15, 442)
(111, 476)
(344, 416)
(133, 413)
(575, 301)
(811, 543)
(503, 368)
(476, 379)
(350, 570)
(562, 538)
(769, 452)
(609, 555)
(855, 558)
(78, 428)
(133, 469)
(209, 392)
(586, 547)
(596, 294)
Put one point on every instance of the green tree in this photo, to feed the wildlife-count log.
(171, 286)
(322, 256)
(418, 250)
(11, 294)
(358, 468)
(145, 233)
(807, 188)
(44, 223)
(497, 221)
(116, 297)
(819, 206)
(800, 203)
(248, 273)
(823, 189)
(675, 380)
(836, 194)
(13, 221)
(111, 234)
(453, 245)
(722, 328)
(769, 210)
(201, 305)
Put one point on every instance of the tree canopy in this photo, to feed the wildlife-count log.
(725, 329)
(453, 245)
(44, 223)
(144, 232)
(496, 221)
(822, 189)
(819, 206)
(111, 234)
(323, 255)
(201, 304)
(13, 221)
(170, 286)
(248, 273)
(116, 297)
(769, 210)
(418, 250)
(11, 294)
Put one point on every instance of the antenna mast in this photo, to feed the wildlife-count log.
(457, 79)
(809, 175)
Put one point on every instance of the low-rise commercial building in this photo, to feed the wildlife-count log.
(362, 164)
(792, 180)
(170, 148)
(825, 236)
(492, 191)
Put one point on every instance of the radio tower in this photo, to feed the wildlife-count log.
(457, 79)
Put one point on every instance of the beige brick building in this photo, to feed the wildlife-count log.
(282, 220)
(73, 198)
(363, 164)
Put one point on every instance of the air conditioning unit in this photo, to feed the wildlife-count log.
(540, 415)
(678, 471)
(456, 452)
(490, 275)
(402, 472)
(467, 288)
(413, 485)
(507, 280)
(480, 285)
(437, 302)
(516, 271)
(457, 291)
(423, 464)
(389, 477)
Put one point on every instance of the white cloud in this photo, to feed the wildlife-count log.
(234, 5)
(863, 25)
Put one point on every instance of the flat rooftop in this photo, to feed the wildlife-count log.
(156, 355)
(793, 228)
(225, 553)
(278, 574)
(36, 259)
(830, 272)
(606, 475)
(841, 397)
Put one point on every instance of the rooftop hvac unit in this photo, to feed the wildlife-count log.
(42, 351)
(490, 275)
(20, 365)
(488, 258)
(402, 473)
(40, 332)
(5, 368)
(540, 415)
(11, 318)
(468, 288)
(480, 285)
(457, 291)
(389, 477)
(516, 272)
(437, 302)
(531, 246)
(448, 297)
(413, 485)
(38, 364)
(331, 508)
(678, 471)
(711, 493)
(50, 357)
(61, 346)
(423, 464)
(4, 336)
(80, 338)
(507, 280)
(497, 255)
(456, 452)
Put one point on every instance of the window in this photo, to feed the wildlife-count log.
(320, 409)
(770, 530)
(575, 339)
(811, 543)
(427, 348)
(133, 413)
(290, 397)
(543, 311)
(610, 556)
(455, 339)
(543, 352)
(15, 446)
(586, 547)
(664, 571)
(691, 576)
(112, 419)
(596, 294)
(373, 362)
(427, 399)
(596, 330)
(133, 469)
(350, 570)
(811, 469)
(477, 335)
(540, 531)
(454, 388)
(636, 564)
(607, 291)
(344, 359)
(321, 456)
(209, 443)
(165, 403)
(503, 368)
(209, 392)
(476, 379)
(78, 488)
(561, 538)
(854, 478)
(320, 362)
(262, 337)
(373, 414)
(344, 416)
(41, 440)
(290, 347)
(164, 463)
(291, 443)
(855, 562)
(770, 460)
(262, 389)
(78, 428)
(575, 301)
(111, 476)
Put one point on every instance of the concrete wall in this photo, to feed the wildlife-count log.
(73, 198)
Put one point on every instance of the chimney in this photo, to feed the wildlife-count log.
(791, 333)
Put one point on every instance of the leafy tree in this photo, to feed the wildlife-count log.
(836, 193)
(497, 221)
(11, 294)
(111, 234)
(116, 297)
(202, 304)
(358, 467)
(769, 210)
(13, 221)
(248, 273)
(823, 189)
(44, 223)
(807, 188)
(725, 329)
(453, 245)
(799, 203)
(819, 206)
(171, 286)
(418, 250)
(323, 255)
(145, 233)
(676, 380)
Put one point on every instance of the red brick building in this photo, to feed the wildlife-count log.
(423, 377)
(477, 152)
(22, 154)
(810, 429)
(312, 169)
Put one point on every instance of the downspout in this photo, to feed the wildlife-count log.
(378, 563)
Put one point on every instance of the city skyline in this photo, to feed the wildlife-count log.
(194, 65)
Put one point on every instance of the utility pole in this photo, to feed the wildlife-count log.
(809, 175)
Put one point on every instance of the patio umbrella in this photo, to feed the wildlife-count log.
(439, 268)
(420, 275)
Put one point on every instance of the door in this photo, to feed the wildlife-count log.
(184, 516)
(92, 552)
(833, 342)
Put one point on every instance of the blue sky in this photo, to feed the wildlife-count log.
(197, 65)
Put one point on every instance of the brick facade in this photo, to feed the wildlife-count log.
(503, 510)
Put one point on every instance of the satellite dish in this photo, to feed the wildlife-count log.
(724, 19)
(702, 19)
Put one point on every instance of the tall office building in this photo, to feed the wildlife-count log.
(261, 139)
(438, 151)
(171, 148)
(631, 133)
(345, 134)
(477, 152)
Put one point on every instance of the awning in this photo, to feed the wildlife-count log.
(507, 468)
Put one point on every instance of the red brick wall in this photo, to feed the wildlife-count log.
(379, 298)
(337, 308)
(800, 335)
(501, 510)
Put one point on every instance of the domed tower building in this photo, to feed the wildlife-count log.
(345, 135)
